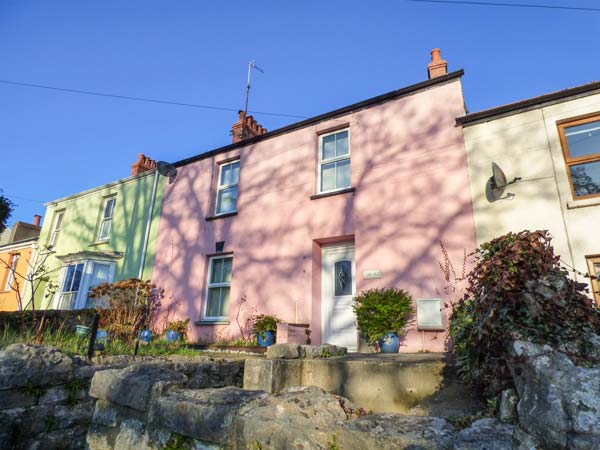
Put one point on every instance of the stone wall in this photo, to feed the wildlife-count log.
(44, 400)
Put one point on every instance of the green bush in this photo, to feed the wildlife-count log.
(382, 311)
(518, 290)
(264, 322)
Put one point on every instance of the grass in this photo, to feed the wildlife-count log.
(71, 344)
(237, 343)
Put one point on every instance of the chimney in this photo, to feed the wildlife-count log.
(438, 66)
(245, 128)
(36, 220)
(143, 164)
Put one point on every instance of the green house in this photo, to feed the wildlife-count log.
(100, 235)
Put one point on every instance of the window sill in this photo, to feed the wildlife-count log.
(584, 203)
(220, 216)
(212, 322)
(329, 194)
(105, 241)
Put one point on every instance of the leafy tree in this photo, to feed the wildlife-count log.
(6, 209)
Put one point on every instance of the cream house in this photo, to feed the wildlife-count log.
(551, 145)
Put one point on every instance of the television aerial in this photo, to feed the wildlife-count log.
(497, 183)
(166, 169)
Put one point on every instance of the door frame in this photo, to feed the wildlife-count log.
(326, 285)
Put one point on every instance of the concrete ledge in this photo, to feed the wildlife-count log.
(374, 382)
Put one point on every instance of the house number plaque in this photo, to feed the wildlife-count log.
(371, 274)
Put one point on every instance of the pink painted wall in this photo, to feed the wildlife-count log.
(409, 170)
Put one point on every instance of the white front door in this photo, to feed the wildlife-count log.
(338, 290)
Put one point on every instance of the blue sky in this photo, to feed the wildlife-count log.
(316, 55)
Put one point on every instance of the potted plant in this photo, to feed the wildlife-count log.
(265, 327)
(382, 316)
(177, 330)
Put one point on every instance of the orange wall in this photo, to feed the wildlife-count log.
(8, 298)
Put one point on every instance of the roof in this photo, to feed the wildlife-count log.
(531, 103)
(18, 244)
(408, 90)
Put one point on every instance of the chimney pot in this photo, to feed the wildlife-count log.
(143, 164)
(438, 66)
(36, 220)
(246, 127)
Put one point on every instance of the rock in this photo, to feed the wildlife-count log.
(322, 351)
(205, 414)
(283, 351)
(485, 434)
(508, 406)
(54, 395)
(272, 375)
(213, 374)
(558, 400)
(22, 364)
(132, 386)
(593, 349)
(524, 441)
(297, 417)
(395, 431)
(16, 399)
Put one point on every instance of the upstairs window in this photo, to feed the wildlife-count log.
(581, 148)
(227, 190)
(594, 271)
(219, 286)
(58, 218)
(334, 161)
(106, 220)
(14, 259)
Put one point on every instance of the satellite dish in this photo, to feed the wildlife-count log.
(498, 179)
(166, 169)
(497, 183)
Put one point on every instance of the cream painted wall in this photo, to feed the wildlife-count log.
(526, 144)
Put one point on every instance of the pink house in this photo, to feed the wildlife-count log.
(295, 221)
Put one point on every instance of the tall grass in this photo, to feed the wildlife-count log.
(71, 344)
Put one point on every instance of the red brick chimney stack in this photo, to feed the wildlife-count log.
(143, 164)
(36, 220)
(438, 66)
(245, 128)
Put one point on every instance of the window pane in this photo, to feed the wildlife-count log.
(583, 139)
(58, 221)
(327, 177)
(343, 278)
(224, 301)
(217, 270)
(341, 143)
(105, 227)
(343, 174)
(68, 278)
(328, 146)
(226, 274)
(108, 207)
(213, 302)
(77, 277)
(586, 178)
(227, 200)
(230, 174)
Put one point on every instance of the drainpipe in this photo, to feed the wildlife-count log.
(148, 222)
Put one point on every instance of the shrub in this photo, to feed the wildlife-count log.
(127, 307)
(264, 322)
(382, 311)
(518, 290)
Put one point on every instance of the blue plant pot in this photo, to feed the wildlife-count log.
(101, 337)
(173, 336)
(269, 338)
(81, 330)
(145, 335)
(390, 343)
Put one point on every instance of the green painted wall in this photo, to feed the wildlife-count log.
(82, 214)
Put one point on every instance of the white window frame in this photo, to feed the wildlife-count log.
(322, 161)
(210, 285)
(227, 186)
(11, 271)
(56, 228)
(106, 221)
(84, 285)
